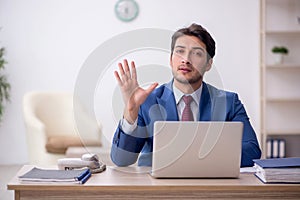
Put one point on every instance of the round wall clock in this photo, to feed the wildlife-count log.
(126, 10)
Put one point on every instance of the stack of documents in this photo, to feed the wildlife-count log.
(56, 176)
(278, 170)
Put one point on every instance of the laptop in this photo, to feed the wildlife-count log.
(196, 149)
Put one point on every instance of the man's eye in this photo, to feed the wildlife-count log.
(197, 53)
(179, 51)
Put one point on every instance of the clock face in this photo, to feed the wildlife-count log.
(126, 10)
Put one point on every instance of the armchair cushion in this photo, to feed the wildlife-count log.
(59, 144)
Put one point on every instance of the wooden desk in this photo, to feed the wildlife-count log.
(136, 183)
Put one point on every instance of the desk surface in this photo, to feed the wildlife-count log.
(136, 182)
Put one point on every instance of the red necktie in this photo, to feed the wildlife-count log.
(187, 114)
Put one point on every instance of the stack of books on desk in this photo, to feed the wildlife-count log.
(278, 170)
(56, 176)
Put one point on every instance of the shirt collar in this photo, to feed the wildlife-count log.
(196, 94)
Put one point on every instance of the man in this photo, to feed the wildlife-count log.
(192, 52)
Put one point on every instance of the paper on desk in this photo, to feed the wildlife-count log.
(247, 170)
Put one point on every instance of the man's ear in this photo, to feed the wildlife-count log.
(170, 62)
(209, 64)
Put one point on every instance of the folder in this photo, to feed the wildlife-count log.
(281, 148)
(79, 176)
(275, 149)
(269, 148)
(278, 162)
(278, 170)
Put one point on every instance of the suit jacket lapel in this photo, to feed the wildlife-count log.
(168, 106)
(168, 109)
(205, 104)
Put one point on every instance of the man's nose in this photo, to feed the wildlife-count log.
(186, 58)
(185, 61)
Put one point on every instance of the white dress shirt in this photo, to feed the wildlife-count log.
(129, 128)
(194, 104)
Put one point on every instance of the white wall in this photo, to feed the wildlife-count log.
(48, 41)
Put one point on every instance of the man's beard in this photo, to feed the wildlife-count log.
(183, 80)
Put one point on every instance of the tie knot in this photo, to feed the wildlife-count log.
(187, 99)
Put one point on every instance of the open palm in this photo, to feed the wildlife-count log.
(133, 94)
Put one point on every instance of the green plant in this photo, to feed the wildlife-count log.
(4, 85)
(280, 49)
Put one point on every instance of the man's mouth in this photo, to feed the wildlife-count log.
(185, 69)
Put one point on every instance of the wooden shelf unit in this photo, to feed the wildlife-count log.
(280, 82)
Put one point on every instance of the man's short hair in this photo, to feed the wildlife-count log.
(199, 32)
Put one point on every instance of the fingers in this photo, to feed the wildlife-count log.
(125, 73)
(118, 78)
(122, 72)
(127, 70)
(151, 88)
(133, 71)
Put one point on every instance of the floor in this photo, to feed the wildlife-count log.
(7, 172)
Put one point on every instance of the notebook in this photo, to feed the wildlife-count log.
(196, 149)
(79, 176)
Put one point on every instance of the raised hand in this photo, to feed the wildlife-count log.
(133, 94)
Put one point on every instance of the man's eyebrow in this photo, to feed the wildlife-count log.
(202, 49)
(179, 46)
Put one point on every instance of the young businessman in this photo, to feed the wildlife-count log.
(192, 52)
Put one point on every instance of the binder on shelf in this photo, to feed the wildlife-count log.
(56, 176)
(275, 148)
(278, 170)
(281, 148)
(269, 148)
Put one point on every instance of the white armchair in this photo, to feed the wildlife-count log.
(51, 127)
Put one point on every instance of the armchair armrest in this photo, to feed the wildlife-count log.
(35, 134)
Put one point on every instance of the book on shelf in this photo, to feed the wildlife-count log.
(79, 176)
(278, 170)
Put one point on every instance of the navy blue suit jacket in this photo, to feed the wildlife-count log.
(215, 105)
